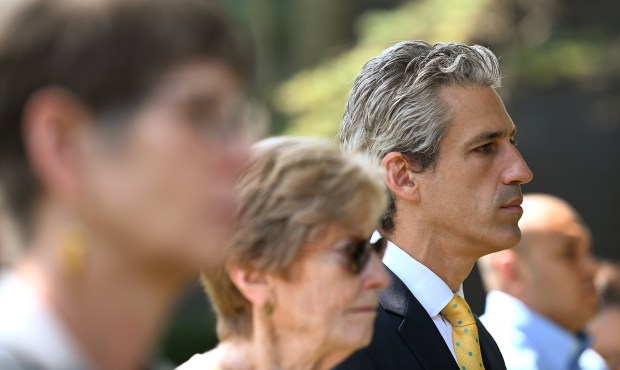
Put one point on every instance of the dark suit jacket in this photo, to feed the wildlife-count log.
(406, 338)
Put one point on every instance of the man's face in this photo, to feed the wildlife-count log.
(558, 268)
(472, 197)
(164, 190)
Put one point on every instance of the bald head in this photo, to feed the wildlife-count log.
(551, 269)
(547, 213)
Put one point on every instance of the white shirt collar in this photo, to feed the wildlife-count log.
(432, 292)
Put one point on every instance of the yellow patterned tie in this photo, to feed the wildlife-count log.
(464, 334)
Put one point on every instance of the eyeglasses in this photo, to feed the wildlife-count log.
(357, 252)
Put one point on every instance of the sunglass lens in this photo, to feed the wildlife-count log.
(359, 253)
(379, 247)
(356, 251)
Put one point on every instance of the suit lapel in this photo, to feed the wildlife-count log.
(417, 329)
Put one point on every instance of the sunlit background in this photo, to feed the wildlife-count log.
(561, 67)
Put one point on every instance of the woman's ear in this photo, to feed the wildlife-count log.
(399, 177)
(53, 119)
(254, 285)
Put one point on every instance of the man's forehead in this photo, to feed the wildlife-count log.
(476, 114)
(482, 135)
(568, 232)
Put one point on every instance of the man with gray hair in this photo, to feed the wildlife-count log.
(430, 115)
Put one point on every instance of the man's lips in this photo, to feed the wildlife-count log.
(514, 203)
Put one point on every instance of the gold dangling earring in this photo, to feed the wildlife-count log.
(73, 250)
(267, 308)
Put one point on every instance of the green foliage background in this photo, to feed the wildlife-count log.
(535, 50)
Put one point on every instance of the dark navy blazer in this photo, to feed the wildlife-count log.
(406, 338)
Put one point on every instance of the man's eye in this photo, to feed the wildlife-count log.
(513, 141)
(486, 148)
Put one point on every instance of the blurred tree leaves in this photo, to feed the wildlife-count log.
(314, 98)
(534, 46)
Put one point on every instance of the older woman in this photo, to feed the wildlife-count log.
(300, 290)
(119, 147)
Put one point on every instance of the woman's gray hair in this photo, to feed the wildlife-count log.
(395, 106)
(292, 189)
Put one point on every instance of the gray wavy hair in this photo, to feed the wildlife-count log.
(395, 106)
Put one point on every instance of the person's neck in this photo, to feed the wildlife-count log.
(436, 251)
(274, 350)
(113, 308)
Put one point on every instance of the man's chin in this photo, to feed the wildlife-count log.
(513, 236)
(508, 238)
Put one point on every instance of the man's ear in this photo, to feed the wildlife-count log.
(253, 284)
(508, 265)
(507, 262)
(53, 123)
(399, 177)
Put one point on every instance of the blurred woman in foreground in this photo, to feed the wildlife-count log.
(301, 283)
(119, 149)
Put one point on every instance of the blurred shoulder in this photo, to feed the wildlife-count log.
(204, 361)
(211, 360)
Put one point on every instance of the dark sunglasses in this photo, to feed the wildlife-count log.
(357, 252)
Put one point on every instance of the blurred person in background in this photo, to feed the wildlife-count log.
(301, 283)
(120, 141)
(605, 327)
(541, 293)
(9, 250)
(430, 115)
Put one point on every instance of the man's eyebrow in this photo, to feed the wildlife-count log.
(490, 135)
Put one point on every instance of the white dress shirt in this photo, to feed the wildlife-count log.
(432, 292)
